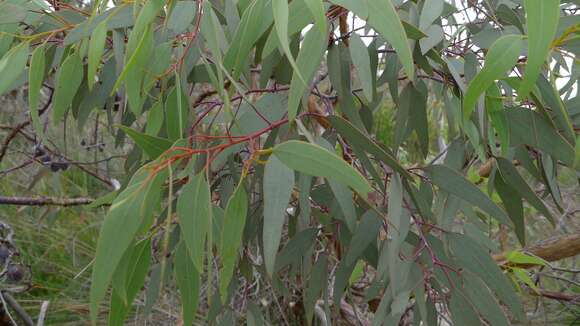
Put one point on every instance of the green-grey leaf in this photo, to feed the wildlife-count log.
(138, 268)
(117, 18)
(495, 109)
(278, 184)
(231, 238)
(248, 32)
(119, 281)
(361, 60)
(299, 17)
(397, 219)
(133, 62)
(151, 145)
(134, 274)
(176, 110)
(576, 163)
(308, 60)
(296, 248)
(11, 13)
(131, 211)
(96, 49)
(342, 194)
(413, 32)
(194, 214)
(6, 37)
(280, 10)
(70, 76)
(11, 66)
(514, 179)
(432, 9)
(383, 18)
(454, 183)
(461, 311)
(181, 16)
(316, 284)
(142, 23)
(531, 128)
(484, 301)
(316, 8)
(316, 161)
(476, 260)
(359, 139)
(551, 103)
(514, 206)
(365, 234)
(500, 58)
(188, 283)
(542, 22)
(35, 78)
(154, 119)
(435, 34)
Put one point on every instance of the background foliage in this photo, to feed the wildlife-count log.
(306, 162)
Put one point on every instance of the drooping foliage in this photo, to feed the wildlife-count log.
(256, 156)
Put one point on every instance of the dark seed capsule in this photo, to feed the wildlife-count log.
(15, 272)
(64, 166)
(54, 166)
(58, 166)
(39, 151)
(4, 254)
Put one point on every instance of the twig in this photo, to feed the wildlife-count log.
(275, 299)
(19, 127)
(109, 182)
(8, 299)
(10, 137)
(18, 167)
(556, 277)
(97, 161)
(44, 201)
(320, 314)
(574, 299)
(42, 314)
(566, 270)
(551, 249)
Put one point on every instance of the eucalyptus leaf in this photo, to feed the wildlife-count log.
(383, 17)
(12, 65)
(311, 52)
(188, 281)
(153, 146)
(473, 258)
(130, 212)
(35, 79)
(70, 76)
(96, 49)
(542, 23)
(514, 179)
(278, 184)
(194, 215)
(362, 63)
(455, 184)
(231, 238)
(500, 58)
(316, 161)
